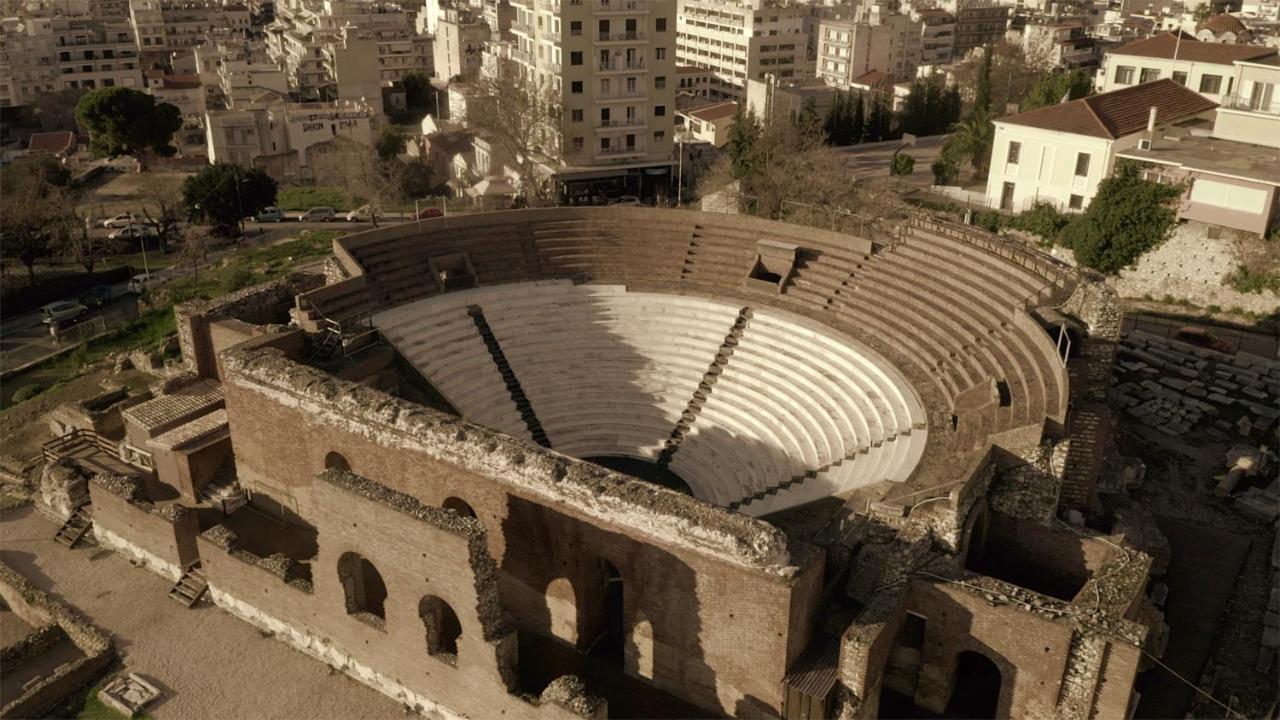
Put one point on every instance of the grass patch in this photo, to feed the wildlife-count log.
(1248, 280)
(87, 706)
(305, 198)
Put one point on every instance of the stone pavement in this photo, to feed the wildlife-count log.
(206, 663)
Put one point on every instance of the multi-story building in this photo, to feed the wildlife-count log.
(708, 124)
(359, 63)
(937, 35)
(739, 40)
(1207, 68)
(283, 137)
(612, 65)
(890, 43)
(769, 99)
(43, 55)
(978, 24)
(1059, 44)
(164, 27)
(458, 47)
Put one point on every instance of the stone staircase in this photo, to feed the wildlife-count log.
(810, 474)
(75, 528)
(190, 587)
(700, 395)
(508, 376)
(225, 494)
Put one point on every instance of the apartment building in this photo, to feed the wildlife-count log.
(459, 41)
(737, 40)
(1060, 153)
(1207, 68)
(890, 43)
(42, 55)
(613, 64)
(978, 24)
(284, 137)
(305, 34)
(359, 63)
(1059, 44)
(164, 27)
(1231, 173)
(937, 35)
(708, 124)
(775, 99)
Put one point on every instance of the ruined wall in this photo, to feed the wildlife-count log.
(39, 609)
(728, 606)
(161, 539)
(418, 551)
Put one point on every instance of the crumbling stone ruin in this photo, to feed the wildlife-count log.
(581, 462)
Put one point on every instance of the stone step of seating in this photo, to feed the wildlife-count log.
(1026, 280)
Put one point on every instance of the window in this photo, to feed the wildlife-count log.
(575, 87)
(442, 628)
(575, 27)
(1149, 75)
(1180, 78)
(1082, 164)
(604, 143)
(364, 590)
(575, 57)
(1124, 75)
(660, 82)
(1076, 202)
(660, 25)
(1015, 150)
(577, 143)
(575, 115)
(1211, 84)
(659, 53)
(659, 135)
(659, 110)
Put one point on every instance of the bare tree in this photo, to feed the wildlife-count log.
(71, 233)
(163, 206)
(195, 249)
(522, 118)
(357, 169)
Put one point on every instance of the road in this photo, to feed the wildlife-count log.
(872, 159)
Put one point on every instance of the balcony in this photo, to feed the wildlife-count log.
(622, 6)
(621, 66)
(619, 151)
(628, 36)
(522, 28)
(623, 122)
(616, 95)
(1257, 103)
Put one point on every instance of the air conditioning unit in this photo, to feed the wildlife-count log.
(1144, 144)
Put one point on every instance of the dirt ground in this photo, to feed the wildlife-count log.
(1177, 472)
(120, 192)
(207, 663)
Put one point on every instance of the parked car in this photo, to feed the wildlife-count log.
(139, 283)
(1200, 337)
(270, 214)
(318, 214)
(625, 201)
(360, 214)
(431, 212)
(123, 220)
(135, 232)
(61, 311)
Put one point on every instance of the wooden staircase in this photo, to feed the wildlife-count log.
(75, 528)
(700, 395)
(190, 587)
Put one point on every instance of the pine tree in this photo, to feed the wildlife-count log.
(835, 118)
(878, 119)
(982, 97)
(857, 122)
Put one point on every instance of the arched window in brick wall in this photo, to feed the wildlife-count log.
(459, 506)
(562, 610)
(442, 628)
(335, 461)
(364, 591)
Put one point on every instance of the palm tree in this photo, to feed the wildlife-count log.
(973, 138)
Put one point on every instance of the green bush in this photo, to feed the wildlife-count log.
(1043, 220)
(1128, 217)
(990, 220)
(1250, 281)
(26, 393)
(902, 164)
(305, 198)
(945, 171)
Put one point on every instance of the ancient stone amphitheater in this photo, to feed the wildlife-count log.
(766, 365)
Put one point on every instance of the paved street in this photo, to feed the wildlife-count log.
(872, 159)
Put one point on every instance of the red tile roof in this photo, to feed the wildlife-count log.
(1192, 50)
(714, 112)
(873, 78)
(1218, 24)
(1117, 113)
(53, 143)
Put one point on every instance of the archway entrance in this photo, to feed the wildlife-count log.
(975, 691)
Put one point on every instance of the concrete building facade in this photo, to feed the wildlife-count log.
(1206, 68)
(737, 40)
(889, 43)
(43, 55)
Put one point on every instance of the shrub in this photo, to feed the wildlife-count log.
(1043, 220)
(1247, 280)
(989, 220)
(945, 171)
(241, 277)
(1128, 217)
(902, 164)
(26, 393)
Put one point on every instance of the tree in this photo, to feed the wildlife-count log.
(808, 120)
(902, 164)
(124, 121)
(163, 206)
(195, 250)
(879, 119)
(1128, 217)
(982, 95)
(33, 196)
(973, 138)
(945, 171)
(222, 194)
(914, 117)
(390, 143)
(522, 117)
(56, 111)
(418, 93)
(857, 126)
(743, 134)
(1052, 88)
(1011, 75)
(359, 170)
(833, 123)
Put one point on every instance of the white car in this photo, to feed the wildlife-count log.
(134, 232)
(625, 201)
(139, 283)
(123, 220)
(360, 214)
(61, 311)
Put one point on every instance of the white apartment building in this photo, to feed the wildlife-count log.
(1058, 44)
(738, 40)
(1207, 68)
(709, 123)
(359, 63)
(163, 27)
(1060, 153)
(43, 55)
(979, 23)
(459, 41)
(937, 35)
(283, 137)
(612, 63)
(890, 43)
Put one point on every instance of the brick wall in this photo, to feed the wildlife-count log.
(728, 608)
(161, 539)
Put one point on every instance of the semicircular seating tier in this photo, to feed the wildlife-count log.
(754, 409)
(814, 395)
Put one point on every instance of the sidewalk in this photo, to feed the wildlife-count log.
(207, 663)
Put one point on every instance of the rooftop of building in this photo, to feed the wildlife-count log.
(716, 111)
(1168, 46)
(1117, 113)
(52, 142)
(1214, 156)
(1221, 23)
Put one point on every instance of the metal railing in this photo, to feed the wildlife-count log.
(621, 122)
(620, 36)
(1251, 103)
(637, 64)
(621, 5)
